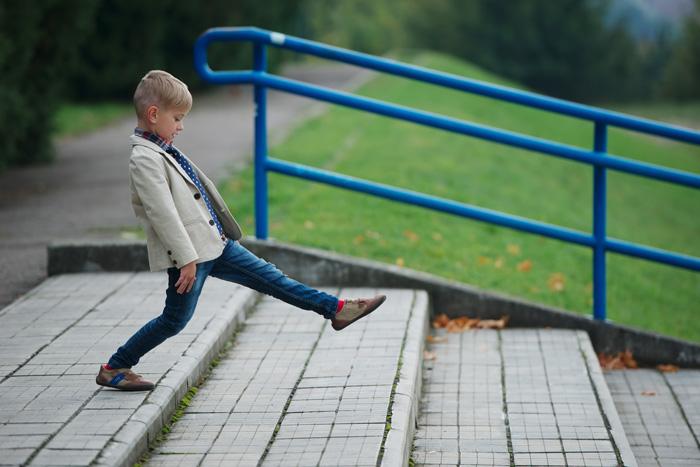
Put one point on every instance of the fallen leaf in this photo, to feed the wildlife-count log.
(373, 235)
(411, 236)
(648, 393)
(460, 324)
(513, 249)
(617, 362)
(400, 262)
(608, 362)
(484, 260)
(428, 355)
(437, 236)
(359, 240)
(556, 282)
(493, 323)
(498, 264)
(441, 321)
(525, 266)
(667, 368)
(309, 225)
(628, 359)
(464, 323)
(436, 339)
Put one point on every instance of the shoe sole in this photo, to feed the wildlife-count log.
(145, 388)
(370, 310)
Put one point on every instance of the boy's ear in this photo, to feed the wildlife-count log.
(152, 114)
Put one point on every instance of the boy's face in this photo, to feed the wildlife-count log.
(166, 122)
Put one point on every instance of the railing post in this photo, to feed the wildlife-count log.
(260, 96)
(599, 218)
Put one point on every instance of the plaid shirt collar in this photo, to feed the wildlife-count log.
(153, 138)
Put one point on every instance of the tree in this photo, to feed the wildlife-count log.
(562, 48)
(682, 79)
(38, 48)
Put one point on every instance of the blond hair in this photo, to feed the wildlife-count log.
(161, 89)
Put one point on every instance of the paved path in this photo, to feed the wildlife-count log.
(290, 383)
(293, 391)
(522, 397)
(85, 191)
(52, 342)
(660, 413)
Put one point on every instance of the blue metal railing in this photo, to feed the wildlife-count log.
(599, 158)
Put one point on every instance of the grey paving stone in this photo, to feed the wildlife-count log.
(16, 456)
(657, 424)
(24, 441)
(176, 460)
(552, 410)
(351, 451)
(64, 457)
(338, 408)
(58, 336)
(436, 457)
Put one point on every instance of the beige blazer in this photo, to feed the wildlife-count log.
(172, 211)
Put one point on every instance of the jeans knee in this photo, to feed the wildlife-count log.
(172, 327)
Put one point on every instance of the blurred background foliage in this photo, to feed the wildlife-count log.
(611, 51)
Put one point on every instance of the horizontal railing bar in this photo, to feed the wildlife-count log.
(479, 131)
(478, 213)
(438, 78)
(428, 201)
(654, 254)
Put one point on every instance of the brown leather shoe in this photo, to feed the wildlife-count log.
(356, 309)
(124, 379)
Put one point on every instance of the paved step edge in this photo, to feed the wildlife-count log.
(399, 440)
(142, 428)
(606, 401)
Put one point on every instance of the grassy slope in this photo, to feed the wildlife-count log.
(76, 119)
(527, 184)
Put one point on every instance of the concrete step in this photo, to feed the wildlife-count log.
(52, 341)
(519, 397)
(292, 391)
(660, 413)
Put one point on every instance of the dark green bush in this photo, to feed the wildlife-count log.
(39, 41)
(131, 37)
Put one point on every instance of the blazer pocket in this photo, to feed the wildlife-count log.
(199, 232)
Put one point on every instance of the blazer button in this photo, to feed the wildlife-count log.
(211, 221)
(197, 196)
(170, 252)
(174, 262)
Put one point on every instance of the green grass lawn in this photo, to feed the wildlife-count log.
(545, 188)
(75, 119)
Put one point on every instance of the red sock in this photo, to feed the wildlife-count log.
(107, 367)
(341, 303)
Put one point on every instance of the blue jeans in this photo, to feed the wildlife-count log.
(236, 264)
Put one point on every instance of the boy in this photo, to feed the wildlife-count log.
(191, 233)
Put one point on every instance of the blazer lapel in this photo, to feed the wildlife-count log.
(137, 140)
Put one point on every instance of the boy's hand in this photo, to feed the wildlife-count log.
(188, 274)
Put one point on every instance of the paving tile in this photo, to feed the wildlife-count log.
(58, 336)
(12, 456)
(658, 426)
(77, 457)
(177, 460)
(330, 410)
(551, 411)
